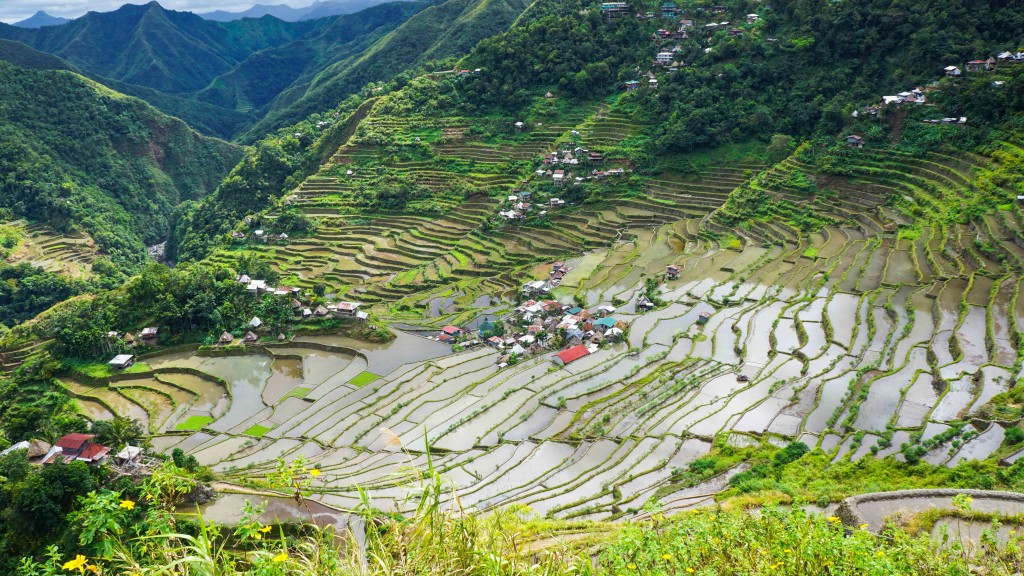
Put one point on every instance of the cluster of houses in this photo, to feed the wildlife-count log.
(259, 235)
(987, 65)
(147, 336)
(76, 447)
(571, 156)
(255, 287)
(538, 288)
(532, 327)
(519, 205)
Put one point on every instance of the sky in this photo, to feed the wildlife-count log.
(15, 10)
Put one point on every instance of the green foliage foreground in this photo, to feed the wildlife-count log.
(137, 532)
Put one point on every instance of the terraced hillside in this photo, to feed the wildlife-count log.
(854, 339)
(407, 208)
(43, 247)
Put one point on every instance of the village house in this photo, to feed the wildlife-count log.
(670, 10)
(250, 338)
(556, 202)
(150, 333)
(652, 83)
(855, 141)
(632, 85)
(255, 322)
(981, 65)
(519, 126)
(79, 447)
(703, 318)
(129, 456)
(347, 309)
(614, 9)
(450, 333)
(225, 338)
(751, 18)
(536, 287)
(558, 177)
(321, 311)
(672, 272)
(735, 32)
(685, 25)
(663, 58)
(570, 355)
(952, 71)
(122, 361)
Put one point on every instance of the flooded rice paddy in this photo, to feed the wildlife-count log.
(870, 335)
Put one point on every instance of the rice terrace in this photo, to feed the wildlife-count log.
(703, 309)
(512, 287)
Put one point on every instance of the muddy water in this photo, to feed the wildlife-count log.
(245, 375)
(980, 447)
(383, 358)
(227, 510)
(118, 403)
(93, 410)
(206, 393)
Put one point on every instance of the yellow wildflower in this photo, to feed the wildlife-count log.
(314, 472)
(631, 566)
(666, 556)
(879, 553)
(863, 526)
(690, 570)
(281, 557)
(266, 529)
(127, 504)
(93, 568)
(833, 519)
(77, 564)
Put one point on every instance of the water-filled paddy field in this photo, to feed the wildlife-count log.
(868, 336)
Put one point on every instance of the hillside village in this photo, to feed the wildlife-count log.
(605, 262)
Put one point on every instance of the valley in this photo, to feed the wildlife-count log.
(509, 288)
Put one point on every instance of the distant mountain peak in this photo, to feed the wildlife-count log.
(40, 19)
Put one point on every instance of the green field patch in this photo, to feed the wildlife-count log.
(194, 423)
(811, 252)
(257, 430)
(104, 370)
(298, 392)
(363, 378)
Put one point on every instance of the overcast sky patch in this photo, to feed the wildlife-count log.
(16, 10)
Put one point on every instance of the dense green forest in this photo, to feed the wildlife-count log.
(77, 156)
(795, 71)
(446, 29)
(224, 77)
(149, 46)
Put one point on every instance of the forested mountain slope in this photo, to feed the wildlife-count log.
(257, 83)
(170, 51)
(446, 29)
(76, 155)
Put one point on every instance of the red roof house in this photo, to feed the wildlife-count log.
(76, 446)
(570, 355)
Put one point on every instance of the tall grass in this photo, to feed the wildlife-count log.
(441, 537)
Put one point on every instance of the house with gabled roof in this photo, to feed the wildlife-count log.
(77, 446)
(570, 355)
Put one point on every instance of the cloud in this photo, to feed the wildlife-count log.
(15, 10)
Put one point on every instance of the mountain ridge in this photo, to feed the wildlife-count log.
(41, 19)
